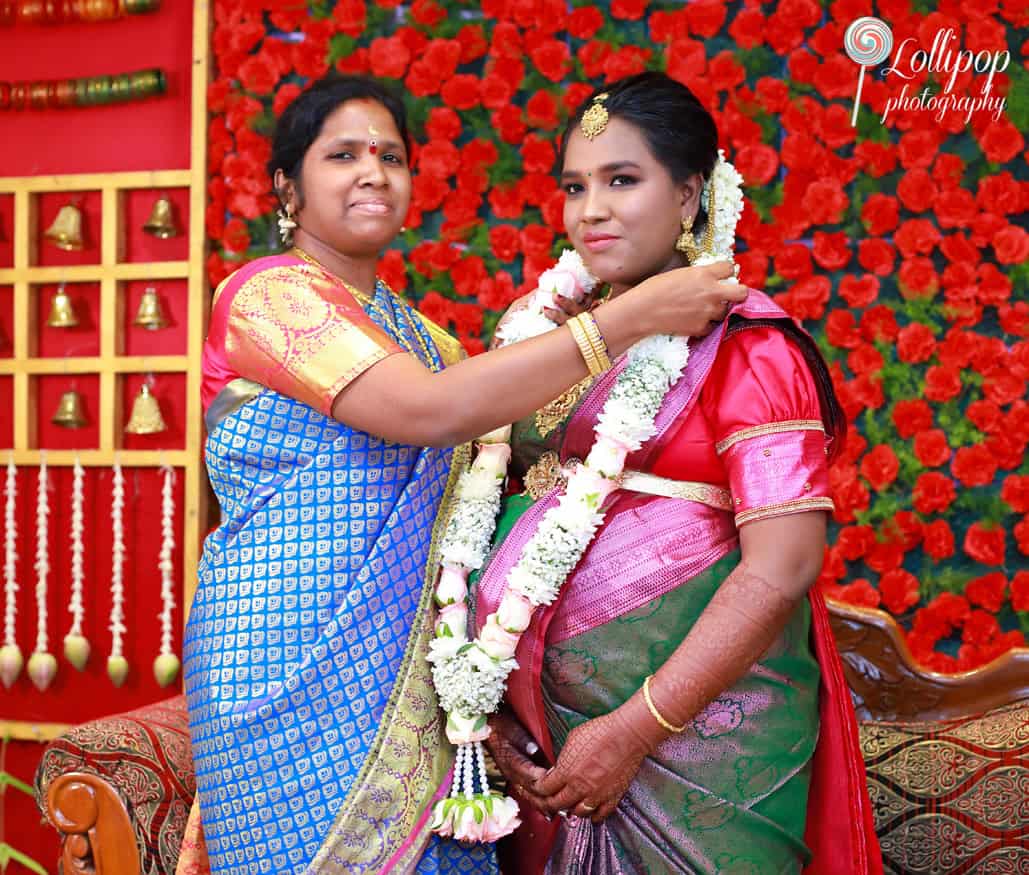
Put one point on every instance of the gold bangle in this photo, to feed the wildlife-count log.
(596, 338)
(585, 347)
(675, 730)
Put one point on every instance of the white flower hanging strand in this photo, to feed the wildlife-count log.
(76, 647)
(42, 664)
(117, 665)
(166, 666)
(11, 659)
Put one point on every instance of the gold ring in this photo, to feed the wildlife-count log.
(586, 807)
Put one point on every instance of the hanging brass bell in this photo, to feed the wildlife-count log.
(69, 413)
(161, 223)
(149, 314)
(146, 414)
(66, 230)
(62, 313)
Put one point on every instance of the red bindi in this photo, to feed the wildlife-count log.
(373, 147)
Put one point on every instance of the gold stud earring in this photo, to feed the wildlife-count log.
(686, 244)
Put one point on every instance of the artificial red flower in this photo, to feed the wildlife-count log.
(258, 74)
(831, 251)
(1015, 491)
(757, 163)
(857, 292)
(916, 190)
(507, 120)
(879, 467)
(915, 343)
(933, 492)
(1020, 591)
(974, 466)
(350, 16)
(1000, 194)
(427, 12)
(810, 296)
(980, 628)
(854, 542)
(899, 590)
(705, 17)
(876, 255)
(552, 58)
(865, 359)
(955, 208)
(1001, 141)
(985, 545)
(912, 416)
(1011, 245)
(506, 201)
(918, 148)
(772, 93)
(793, 262)
(848, 493)
(880, 213)
(747, 28)
(917, 237)
(627, 61)
(841, 329)
(629, 10)
(541, 110)
(917, 278)
(987, 591)
(932, 448)
(825, 201)
(879, 323)
(584, 22)
(942, 383)
(938, 540)
(858, 592)
(504, 241)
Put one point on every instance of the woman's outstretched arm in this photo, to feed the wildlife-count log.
(401, 400)
(781, 558)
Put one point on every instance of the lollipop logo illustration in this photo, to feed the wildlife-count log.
(868, 41)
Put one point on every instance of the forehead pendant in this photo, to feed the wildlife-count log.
(595, 119)
(373, 146)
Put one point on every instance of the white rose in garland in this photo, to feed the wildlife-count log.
(471, 676)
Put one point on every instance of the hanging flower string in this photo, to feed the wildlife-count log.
(10, 655)
(166, 666)
(470, 676)
(76, 647)
(42, 664)
(117, 665)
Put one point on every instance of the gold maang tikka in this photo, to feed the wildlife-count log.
(595, 119)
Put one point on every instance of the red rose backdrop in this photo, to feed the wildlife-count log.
(895, 242)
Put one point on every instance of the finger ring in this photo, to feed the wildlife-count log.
(562, 813)
(531, 749)
(586, 807)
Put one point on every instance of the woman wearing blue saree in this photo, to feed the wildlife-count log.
(331, 407)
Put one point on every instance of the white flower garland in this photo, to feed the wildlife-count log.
(166, 666)
(117, 665)
(42, 664)
(10, 654)
(471, 676)
(76, 647)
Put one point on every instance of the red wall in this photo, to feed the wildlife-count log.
(149, 135)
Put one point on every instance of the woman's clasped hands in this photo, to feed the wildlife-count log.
(597, 764)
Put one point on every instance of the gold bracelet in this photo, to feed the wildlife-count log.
(596, 339)
(675, 730)
(585, 347)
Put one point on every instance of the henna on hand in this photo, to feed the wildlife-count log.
(742, 620)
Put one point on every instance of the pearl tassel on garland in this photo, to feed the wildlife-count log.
(76, 647)
(166, 666)
(117, 665)
(11, 659)
(42, 664)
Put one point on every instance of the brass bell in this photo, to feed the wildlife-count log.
(62, 313)
(69, 411)
(66, 230)
(146, 414)
(161, 223)
(149, 314)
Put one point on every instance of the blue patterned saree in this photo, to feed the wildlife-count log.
(315, 727)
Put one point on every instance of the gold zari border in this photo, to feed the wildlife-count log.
(783, 508)
(768, 428)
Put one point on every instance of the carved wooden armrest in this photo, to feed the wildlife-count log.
(887, 683)
(96, 834)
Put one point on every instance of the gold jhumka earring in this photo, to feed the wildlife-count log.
(595, 119)
(685, 242)
(286, 224)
